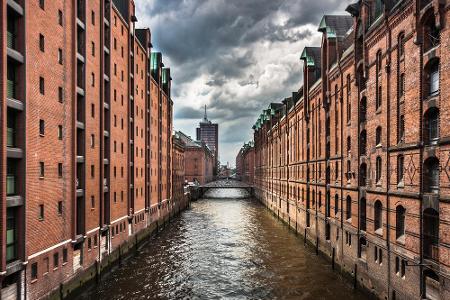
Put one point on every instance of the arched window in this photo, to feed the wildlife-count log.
(431, 34)
(348, 207)
(431, 175)
(431, 126)
(378, 169)
(400, 214)
(378, 136)
(431, 233)
(362, 214)
(378, 216)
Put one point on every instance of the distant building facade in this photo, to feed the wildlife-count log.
(208, 133)
(245, 163)
(199, 160)
(178, 168)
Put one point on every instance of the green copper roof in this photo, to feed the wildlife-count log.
(309, 59)
(155, 60)
(323, 27)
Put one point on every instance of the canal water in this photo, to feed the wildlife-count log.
(224, 247)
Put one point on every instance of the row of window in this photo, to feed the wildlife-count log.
(46, 264)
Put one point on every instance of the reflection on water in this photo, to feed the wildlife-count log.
(224, 249)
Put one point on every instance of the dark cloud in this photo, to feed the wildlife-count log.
(234, 55)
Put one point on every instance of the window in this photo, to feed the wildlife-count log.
(64, 255)
(400, 213)
(89, 243)
(93, 48)
(378, 216)
(378, 136)
(434, 79)
(11, 235)
(348, 203)
(60, 207)
(401, 85)
(92, 202)
(60, 17)
(92, 110)
(362, 214)
(42, 4)
(349, 94)
(401, 129)
(431, 124)
(34, 271)
(60, 56)
(41, 127)
(92, 141)
(55, 260)
(115, 197)
(93, 17)
(336, 204)
(41, 169)
(60, 170)
(431, 234)
(41, 42)
(400, 167)
(378, 169)
(431, 175)
(92, 79)
(401, 45)
(60, 132)
(60, 95)
(379, 64)
(92, 171)
(41, 212)
(42, 85)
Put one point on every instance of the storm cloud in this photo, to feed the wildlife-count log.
(235, 56)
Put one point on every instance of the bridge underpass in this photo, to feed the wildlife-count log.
(224, 184)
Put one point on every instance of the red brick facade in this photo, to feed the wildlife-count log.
(199, 160)
(86, 139)
(357, 159)
(245, 164)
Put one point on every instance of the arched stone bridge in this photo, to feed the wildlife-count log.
(226, 184)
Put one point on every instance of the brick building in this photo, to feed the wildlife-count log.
(199, 160)
(86, 139)
(357, 160)
(245, 163)
(178, 171)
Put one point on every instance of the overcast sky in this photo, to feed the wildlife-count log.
(235, 56)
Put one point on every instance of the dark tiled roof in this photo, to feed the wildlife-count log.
(339, 25)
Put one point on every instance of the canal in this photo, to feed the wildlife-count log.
(224, 247)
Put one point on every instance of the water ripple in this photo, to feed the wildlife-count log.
(224, 249)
